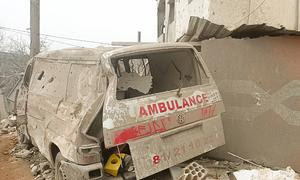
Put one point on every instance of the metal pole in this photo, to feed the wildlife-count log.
(34, 27)
(298, 14)
(139, 36)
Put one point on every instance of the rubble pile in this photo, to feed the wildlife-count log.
(7, 126)
(193, 171)
(226, 170)
(40, 167)
(267, 174)
(197, 169)
(223, 169)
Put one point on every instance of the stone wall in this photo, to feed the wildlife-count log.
(259, 80)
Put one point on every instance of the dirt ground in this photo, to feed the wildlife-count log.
(12, 168)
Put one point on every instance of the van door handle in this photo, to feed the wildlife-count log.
(179, 129)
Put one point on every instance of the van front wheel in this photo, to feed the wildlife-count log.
(59, 172)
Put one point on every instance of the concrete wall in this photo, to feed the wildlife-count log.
(233, 13)
(259, 80)
(183, 11)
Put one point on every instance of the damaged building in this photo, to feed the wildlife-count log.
(258, 76)
(174, 15)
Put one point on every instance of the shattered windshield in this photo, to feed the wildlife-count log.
(156, 72)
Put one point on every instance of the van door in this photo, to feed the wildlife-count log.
(165, 105)
(46, 92)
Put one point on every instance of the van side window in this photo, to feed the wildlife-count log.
(27, 75)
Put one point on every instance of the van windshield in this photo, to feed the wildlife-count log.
(155, 72)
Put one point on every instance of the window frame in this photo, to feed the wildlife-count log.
(198, 65)
(28, 75)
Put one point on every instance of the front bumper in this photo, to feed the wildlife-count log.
(82, 172)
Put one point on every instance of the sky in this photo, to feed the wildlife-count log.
(94, 20)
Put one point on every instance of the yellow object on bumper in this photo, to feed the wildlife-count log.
(113, 164)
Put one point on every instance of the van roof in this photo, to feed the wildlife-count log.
(94, 54)
(89, 54)
(147, 47)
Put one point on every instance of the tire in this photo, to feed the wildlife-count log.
(59, 172)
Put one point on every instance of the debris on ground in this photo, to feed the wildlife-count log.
(12, 168)
(40, 167)
(266, 174)
(6, 127)
(24, 153)
(198, 169)
(193, 171)
(225, 170)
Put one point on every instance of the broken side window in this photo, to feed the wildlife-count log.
(155, 72)
(27, 75)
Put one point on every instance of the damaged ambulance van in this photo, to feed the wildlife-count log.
(119, 112)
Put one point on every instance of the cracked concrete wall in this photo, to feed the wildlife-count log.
(259, 80)
(232, 14)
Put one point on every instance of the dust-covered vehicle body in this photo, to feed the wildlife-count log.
(156, 102)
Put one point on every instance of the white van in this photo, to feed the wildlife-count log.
(157, 103)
